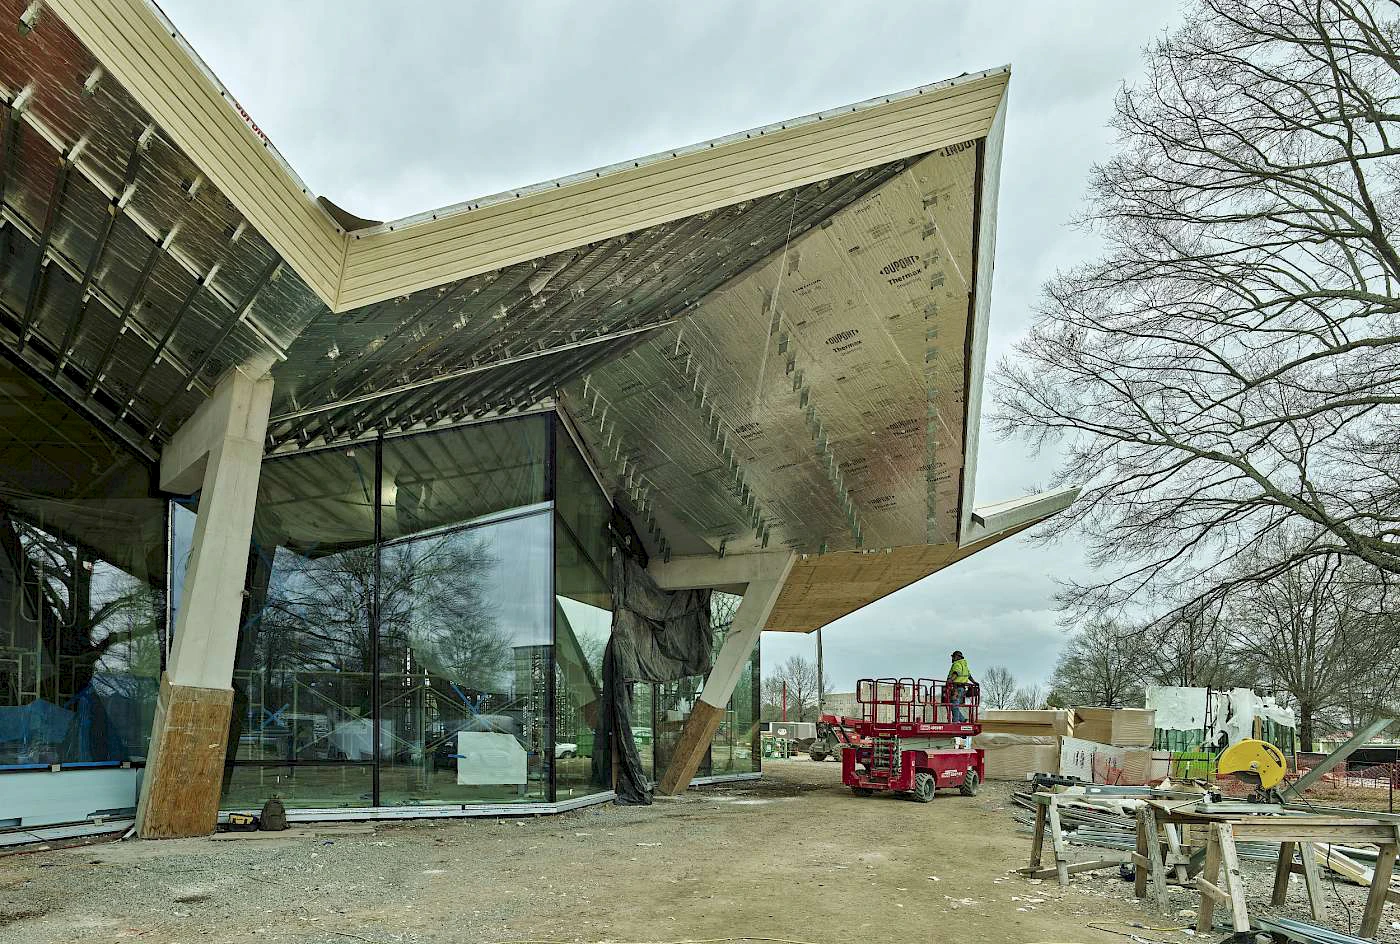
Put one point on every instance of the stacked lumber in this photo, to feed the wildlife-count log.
(1120, 727)
(1017, 756)
(1049, 722)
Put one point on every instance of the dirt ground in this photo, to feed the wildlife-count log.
(794, 857)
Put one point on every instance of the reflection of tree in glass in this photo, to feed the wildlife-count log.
(436, 610)
(593, 644)
(436, 599)
(93, 620)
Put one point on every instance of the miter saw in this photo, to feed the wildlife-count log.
(1257, 763)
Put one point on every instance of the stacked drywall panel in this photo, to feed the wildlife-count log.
(1050, 722)
(1017, 756)
(1119, 727)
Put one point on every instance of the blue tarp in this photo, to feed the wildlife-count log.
(39, 722)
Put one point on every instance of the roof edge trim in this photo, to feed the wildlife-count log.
(595, 173)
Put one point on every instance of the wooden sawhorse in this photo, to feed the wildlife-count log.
(1291, 832)
(1047, 818)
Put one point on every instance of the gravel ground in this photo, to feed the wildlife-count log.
(794, 856)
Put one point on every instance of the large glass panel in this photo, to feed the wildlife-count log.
(303, 725)
(582, 616)
(734, 747)
(464, 647)
(82, 579)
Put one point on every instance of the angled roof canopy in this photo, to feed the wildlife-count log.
(773, 339)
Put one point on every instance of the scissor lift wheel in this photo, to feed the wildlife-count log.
(970, 784)
(924, 787)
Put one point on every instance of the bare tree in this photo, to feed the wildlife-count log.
(1232, 361)
(800, 677)
(1028, 698)
(1192, 647)
(1323, 633)
(1100, 665)
(998, 686)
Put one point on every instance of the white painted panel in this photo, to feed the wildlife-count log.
(45, 798)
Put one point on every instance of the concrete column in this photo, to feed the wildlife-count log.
(219, 452)
(763, 576)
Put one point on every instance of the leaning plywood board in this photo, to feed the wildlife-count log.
(1091, 761)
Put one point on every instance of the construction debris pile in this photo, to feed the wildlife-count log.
(1190, 837)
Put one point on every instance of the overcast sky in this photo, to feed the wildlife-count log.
(392, 110)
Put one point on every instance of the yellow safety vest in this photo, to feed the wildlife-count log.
(960, 672)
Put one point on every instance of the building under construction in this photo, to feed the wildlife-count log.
(298, 504)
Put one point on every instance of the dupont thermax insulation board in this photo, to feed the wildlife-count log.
(826, 382)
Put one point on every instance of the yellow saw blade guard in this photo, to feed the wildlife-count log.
(1256, 762)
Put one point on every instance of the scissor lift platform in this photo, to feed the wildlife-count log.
(908, 734)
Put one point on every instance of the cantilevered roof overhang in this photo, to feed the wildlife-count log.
(770, 340)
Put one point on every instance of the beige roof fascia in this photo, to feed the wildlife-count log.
(408, 255)
(143, 51)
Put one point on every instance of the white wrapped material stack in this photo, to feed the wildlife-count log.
(1018, 756)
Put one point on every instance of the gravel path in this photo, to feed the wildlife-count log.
(794, 856)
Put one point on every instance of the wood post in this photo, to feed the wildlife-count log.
(1380, 885)
(1282, 873)
(219, 453)
(766, 575)
(1234, 881)
(1312, 880)
(1210, 892)
(1038, 840)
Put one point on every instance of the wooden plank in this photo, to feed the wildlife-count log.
(1252, 831)
(1282, 872)
(1380, 885)
(1078, 867)
(1212, 892)
(1312, 881)
(1159, 868)
(1057, 840)
(1179, 858)
(1210, 874)
(1234, 881)
(1140, 873)
(1038, 840)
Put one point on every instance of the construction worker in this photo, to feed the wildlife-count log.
(959, 678)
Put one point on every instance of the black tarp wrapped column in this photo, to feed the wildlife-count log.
(657, 636)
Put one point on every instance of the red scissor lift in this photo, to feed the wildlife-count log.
(907, 731)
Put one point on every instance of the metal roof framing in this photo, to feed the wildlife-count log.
(147, 55)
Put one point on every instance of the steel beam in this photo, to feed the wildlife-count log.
(1357, 740)
(138, 292)
(465, 372)
(115, 207)
(233, 322)
(37, 280)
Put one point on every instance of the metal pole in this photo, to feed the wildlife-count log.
(784, 701)
(821, 686)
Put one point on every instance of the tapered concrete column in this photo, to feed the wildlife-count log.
(764, 575)
(219, 452)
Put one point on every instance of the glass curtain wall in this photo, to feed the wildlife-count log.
(82, 587)
(734, 747)
(464, 626)
(400, 586)
(451, 592)
(582, 615)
